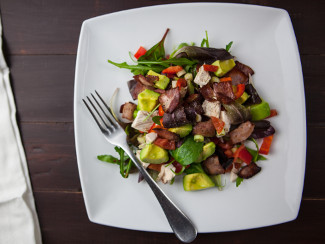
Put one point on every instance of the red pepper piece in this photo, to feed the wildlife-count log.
(236, 154)
(240, 90)
(224, 79)
(161, 111)
(218, 124)
(181, 83)
(210, 67)
(266, 144)
(141, 51)
(273, 113)
(245, 156)
(172, 69)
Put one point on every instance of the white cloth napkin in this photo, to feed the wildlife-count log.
(18, 218)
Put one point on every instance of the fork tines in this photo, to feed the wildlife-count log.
(104, 119)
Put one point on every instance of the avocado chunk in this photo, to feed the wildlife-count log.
(243, 98)
(260, 111)
(153, 154)
(183, 130)
(163, 81)
(208, 150)
(147, 100)
(197, 181)
(224, 66)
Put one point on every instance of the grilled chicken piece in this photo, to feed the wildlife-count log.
(202, 77)
(141, 122)
(242, 132)
(127, 110)
(212, 166)
(205, 129)
(249, 171)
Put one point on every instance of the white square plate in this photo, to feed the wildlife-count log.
(263, 39)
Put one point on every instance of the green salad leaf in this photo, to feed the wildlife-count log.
(239, 180)
(156, 119)
(157, 52)
(205, 40)
(124, 162)
(188, 152)
(194, 168)
(228, 46)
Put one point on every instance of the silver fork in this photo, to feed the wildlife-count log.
(114, 134)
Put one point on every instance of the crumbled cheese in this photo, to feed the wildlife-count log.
(145, 165)
(233, 174)
(188, 77)
(141, 123)
(225, 118)
(174, 83)
(151, 137)
(180, 73)
(202, 77)
(198, 118)
(211, 108)
(166, 174)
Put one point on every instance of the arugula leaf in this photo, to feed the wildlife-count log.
(239, 181)
(188, 152)
(228, 46)
(194, 168)
(157, 51)
(205, 40)
(168, 62)
(256, 155)
(124, 166)
(108, 159)
(158, 65)
(155, 108)
(156, 119)
(140, 69)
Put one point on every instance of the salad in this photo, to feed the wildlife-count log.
(192, 113)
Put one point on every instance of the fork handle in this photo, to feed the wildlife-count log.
(178, 221)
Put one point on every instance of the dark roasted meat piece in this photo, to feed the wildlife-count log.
(127, 110)
(207, 92)
(223, 91)
(143, 80)
(212, 166)
(162, 133)
(175, 119)
(244, 68)
(192, 110)
(242, 132)
(249, 171)
(170, 100)
(237, 76)
(205, 129)
(136, 87)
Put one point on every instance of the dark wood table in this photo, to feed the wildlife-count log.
(40, 43)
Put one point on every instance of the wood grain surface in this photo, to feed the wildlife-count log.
(40, 43)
